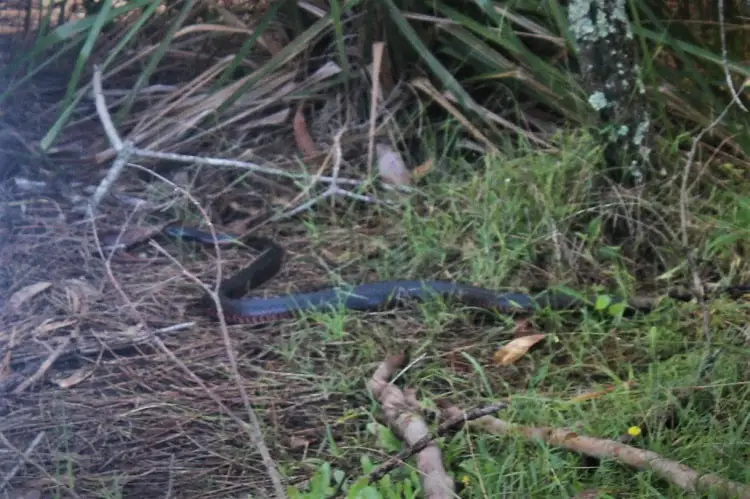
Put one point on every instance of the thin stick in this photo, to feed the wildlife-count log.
(254, 428)
(333, 189)
(124, 150)
(725, 57)
(377, 60)
(61, 349)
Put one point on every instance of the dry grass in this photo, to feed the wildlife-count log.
(137, 419)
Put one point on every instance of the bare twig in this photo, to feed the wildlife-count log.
(169, 494)
(377, 61)
(124, 150)
(254, 428)
(103, 112)
(684, 477)
(333, 189)
(61, 349)
(725, 57)
(108, 259)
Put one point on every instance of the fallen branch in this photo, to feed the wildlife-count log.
(683, 476)
(402, 413)
(450, 426)
(126, 149)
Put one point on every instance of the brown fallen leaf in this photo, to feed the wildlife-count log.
(27, 293)
(391, 167)
(516, 349)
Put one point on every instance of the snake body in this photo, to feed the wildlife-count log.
(364, 297)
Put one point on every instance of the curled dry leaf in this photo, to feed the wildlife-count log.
(51, 326)
(27, 293)
(516, 349)
(77, 377)
(391, 167)
(302, 137)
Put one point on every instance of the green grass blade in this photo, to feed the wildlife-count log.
(440, 71)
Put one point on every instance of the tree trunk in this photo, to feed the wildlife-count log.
(612, 81)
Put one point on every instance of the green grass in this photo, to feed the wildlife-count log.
(500, 223)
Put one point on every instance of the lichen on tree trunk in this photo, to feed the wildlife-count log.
(611, 77)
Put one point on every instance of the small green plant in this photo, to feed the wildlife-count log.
(326, 479)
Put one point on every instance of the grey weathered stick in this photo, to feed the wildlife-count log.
(124, 149)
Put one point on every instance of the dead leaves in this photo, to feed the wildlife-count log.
(393, 170)
(517, 348)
